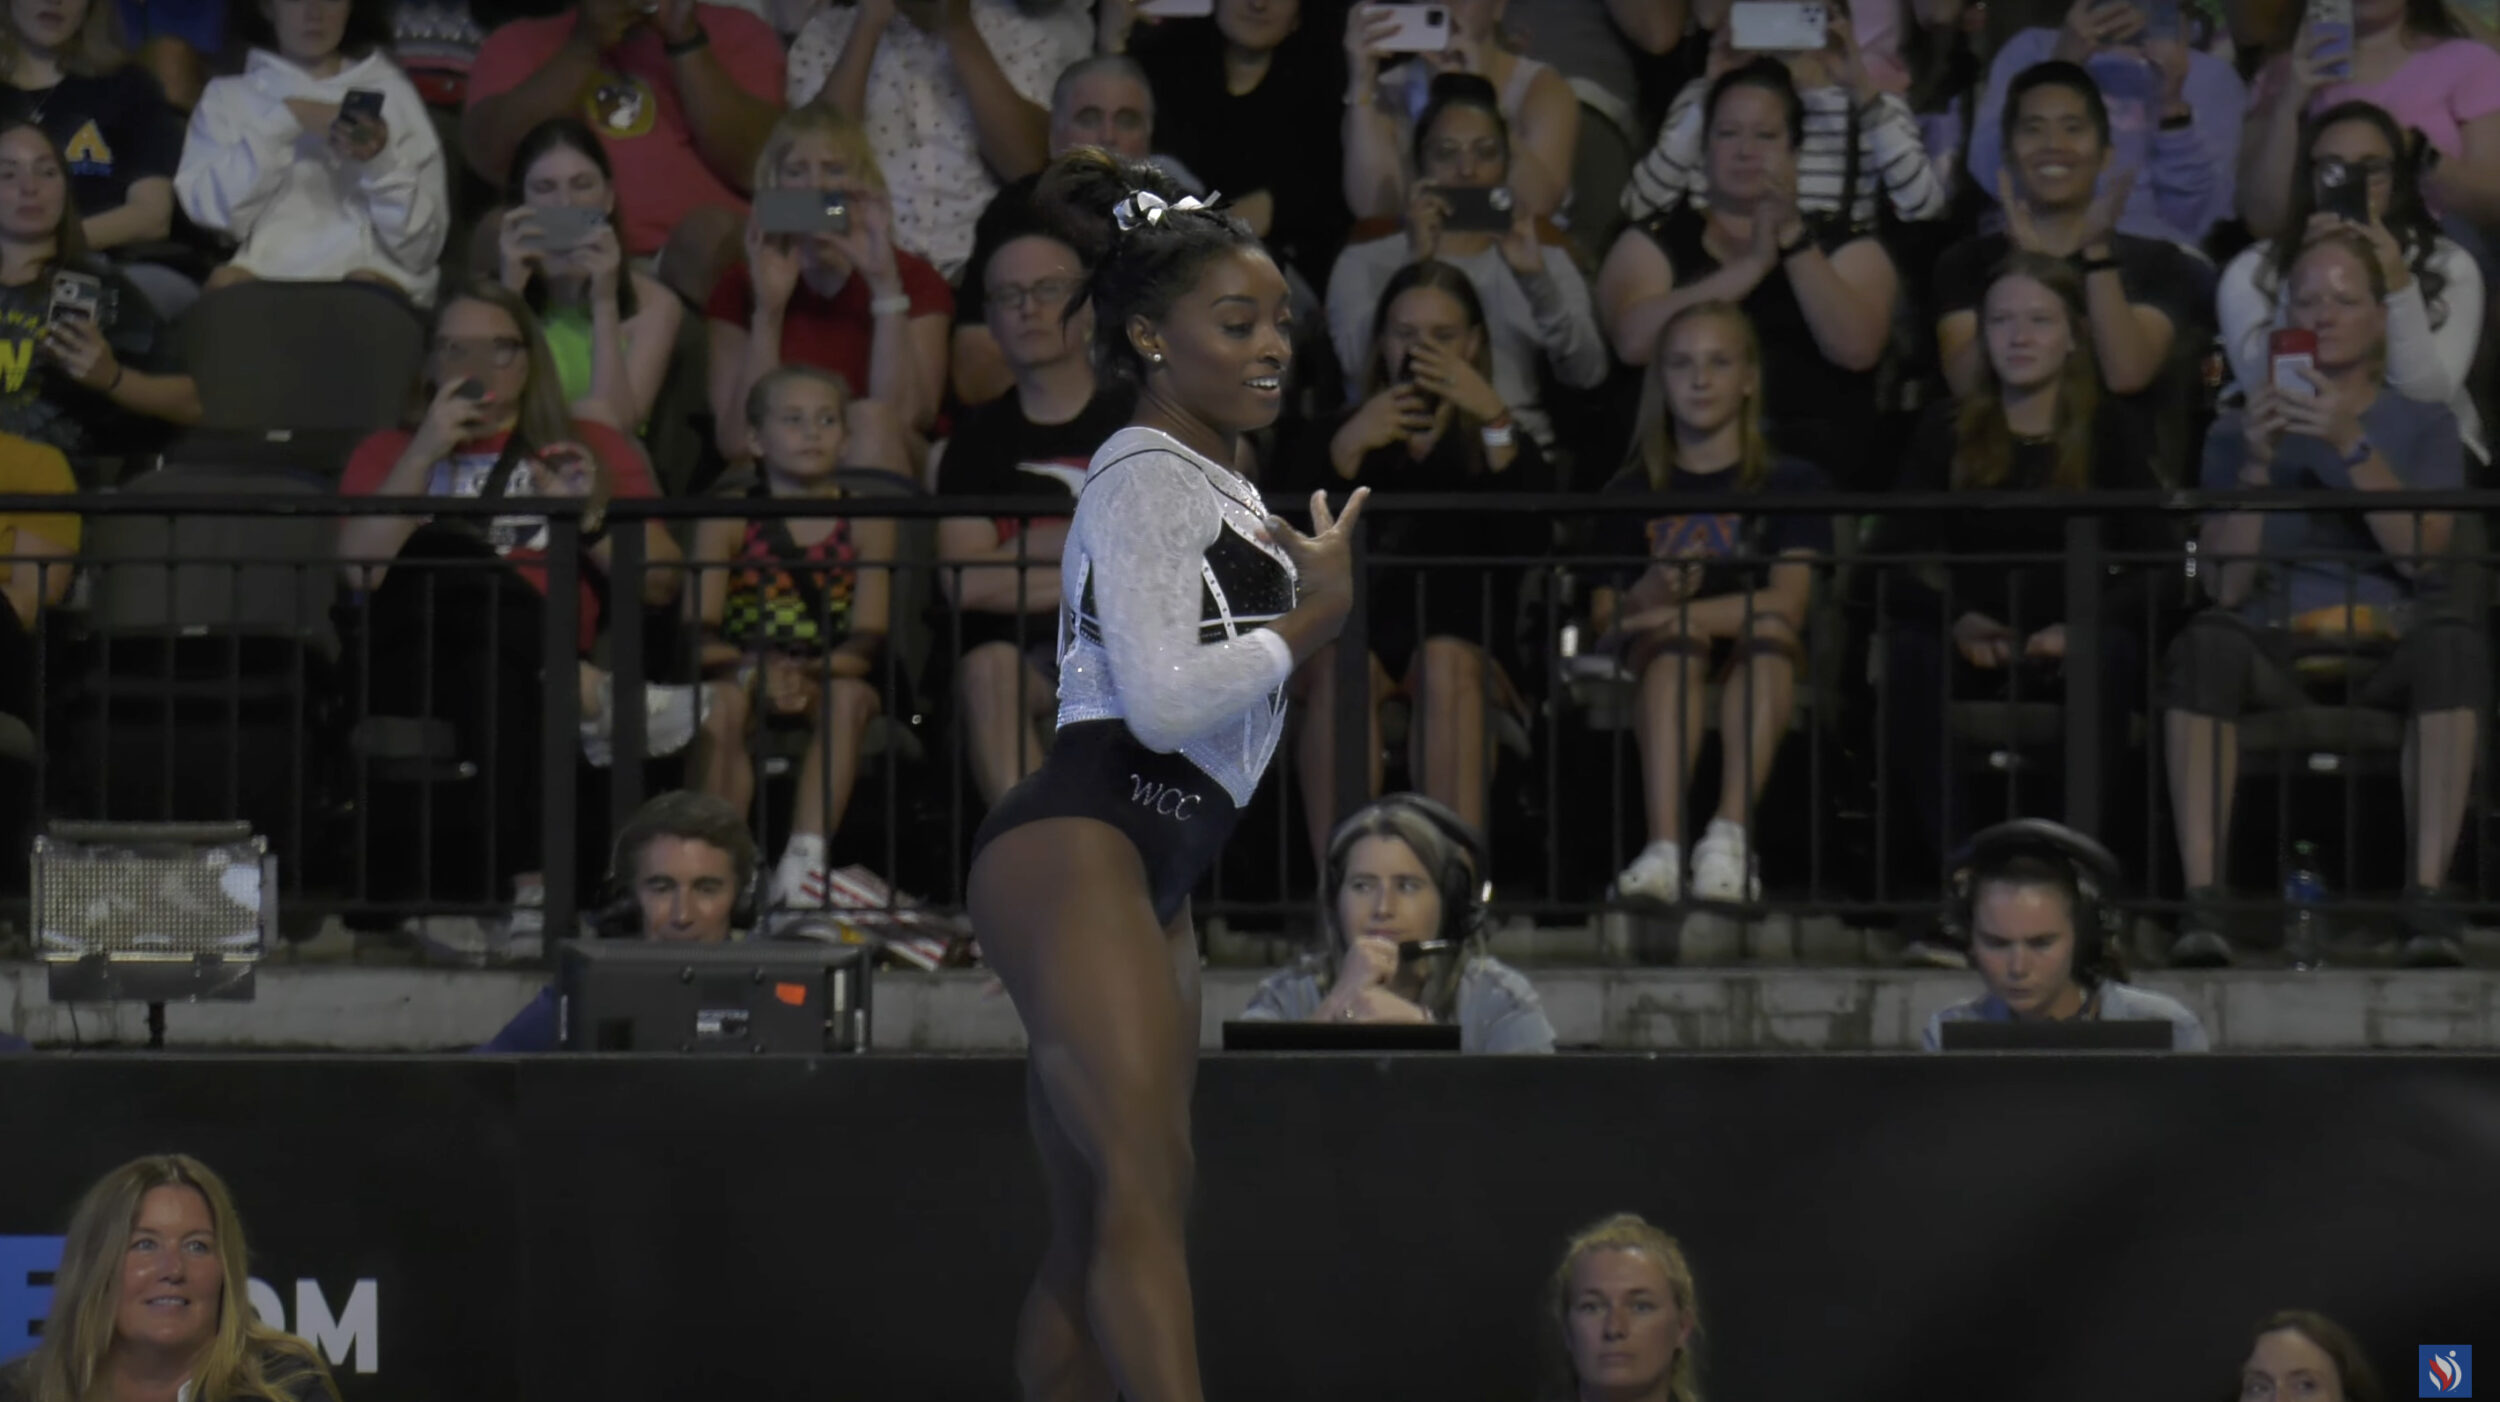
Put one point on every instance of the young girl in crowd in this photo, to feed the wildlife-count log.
(847, 301)
(2038, 422)
(2435, 291)
(1431, 421)
(611, 328)
(1536, 304)
(1723, 595)
(315, 186)
(100, 383)
(797, 608)
(1820, 303)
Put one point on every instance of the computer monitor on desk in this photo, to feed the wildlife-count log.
(745, 997)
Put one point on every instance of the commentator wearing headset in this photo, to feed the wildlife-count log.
(1402, 905)
(2034, 897)
(682, 871)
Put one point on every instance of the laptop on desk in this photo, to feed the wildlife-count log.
(1340, 1037)
(2135, 1034)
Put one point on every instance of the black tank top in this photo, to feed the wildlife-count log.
(1813, 409)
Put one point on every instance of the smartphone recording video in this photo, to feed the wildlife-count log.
(75, 297)
(2292, 356)
(1777, 26)
(2343, 192)
(801, 212)
(1475, 209)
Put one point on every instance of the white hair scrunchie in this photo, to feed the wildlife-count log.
(1147, 207)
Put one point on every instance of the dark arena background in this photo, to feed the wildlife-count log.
(1865, 1227)
(436, 436)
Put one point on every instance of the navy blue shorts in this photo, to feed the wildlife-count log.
(1171, 812)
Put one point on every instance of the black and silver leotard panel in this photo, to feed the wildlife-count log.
(1167, 581)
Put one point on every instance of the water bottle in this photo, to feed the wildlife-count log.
(2304, 916)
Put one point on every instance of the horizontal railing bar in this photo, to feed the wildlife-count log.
(1562, 504)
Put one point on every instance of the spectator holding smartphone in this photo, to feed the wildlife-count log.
(2362, 594)
(319, 159)
(1820, 296)
(2174, 112)
(95, 371)
(1036, 441)
(2358, 173)
(2037, 424)
(458, 644)
(1536, 305)
(682, 93)
(796, 610)
(1431, 421)
(953, 94)
(611, 327)
(1844, 106)
(2408, 57)
(1722, 597)
(1401, 917)
(1385, 119)
(841, 295)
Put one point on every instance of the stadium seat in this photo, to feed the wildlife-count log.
(310, 357)
(204, 663)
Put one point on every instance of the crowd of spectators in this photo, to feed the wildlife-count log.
(1601, 249)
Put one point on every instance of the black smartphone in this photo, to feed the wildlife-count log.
(2343, 192)
(1406, 376)
(472, 390)
(360, 103)
(801, 212)
(1475, 209)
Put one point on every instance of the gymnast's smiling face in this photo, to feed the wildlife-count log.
(1224, 344)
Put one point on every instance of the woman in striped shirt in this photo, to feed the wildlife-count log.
(1842, 106)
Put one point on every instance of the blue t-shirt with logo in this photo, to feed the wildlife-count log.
(112, 128)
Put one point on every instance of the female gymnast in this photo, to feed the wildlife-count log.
(1186, 606)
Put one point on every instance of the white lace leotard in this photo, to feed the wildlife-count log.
(1168, 579)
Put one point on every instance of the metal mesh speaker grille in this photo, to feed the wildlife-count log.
(155, 902)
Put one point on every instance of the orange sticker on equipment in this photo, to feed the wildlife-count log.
(794, 994)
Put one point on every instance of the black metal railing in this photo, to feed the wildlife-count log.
(278, 686)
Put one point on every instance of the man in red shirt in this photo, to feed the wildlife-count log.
(681, 93)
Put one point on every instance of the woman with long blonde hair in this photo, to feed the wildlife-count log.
(2036, 421)
(150, 1301)
(1624, 1307)
(845, 299)
(1719, 595)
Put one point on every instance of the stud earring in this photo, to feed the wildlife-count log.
(1155, 359)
